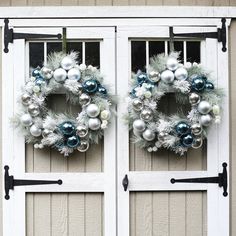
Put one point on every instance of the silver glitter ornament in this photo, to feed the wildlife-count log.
(67, 63)
(26, 99)
(83, 147)
(46, 132)
(181, 73)
(47, 73)
(146, 114)
(33, 109)
(167, 76)
(205, 120)
(154, 76)
(74, 73)
(81, 131)
(139, 125)
(196, 128)
(92, 110)
(84, 99)
(197, 143)
(26, 120)
(172, 63)
(162, 136)
(35, 131)
(137, 104)
(94, 123)
(204, 107)
(149, 135)
(194, 98)
(60, 75)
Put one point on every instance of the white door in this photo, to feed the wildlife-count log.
(152, 205)
(100, 43)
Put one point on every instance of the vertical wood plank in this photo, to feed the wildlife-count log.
(52, 2)
(187, 2)
(137, 2)
(120, 2)
(35, 2)
(69, 2)
(18, 2)
(171, 2)
(103, 2)
(154, 2)
(87, 2)
(232, 2)
(204, 2)
(5, 3)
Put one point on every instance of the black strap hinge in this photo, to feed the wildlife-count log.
(220, 35)
(10, 35)
(10, 182)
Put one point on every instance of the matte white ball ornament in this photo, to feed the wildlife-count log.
(92, 110)
(139, 125)
(206, 120)
(172, 63)
(181, 73)
(94, 123)
(149, 135)
(60, 75)
(74, 73)
(167, 76)
(67, 63)
(35, 131)
(204, 107)
(26, 120)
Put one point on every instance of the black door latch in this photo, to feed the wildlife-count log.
(125, 182)
(10, 182)
(221, 180)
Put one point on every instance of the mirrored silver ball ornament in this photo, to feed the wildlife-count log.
(84, 99)
(146, 114)
(33, 109)
(26, 99)
(67, 63)
(94, 123)
(139, 125)
(197, 143)
(74, 73)
(194, 98)
(204, 107)
(149, 135)
(205, 120)
(167, 76)
(47, 73)
(162, 136)
(35, 131)
(181, 73)
(196, 128)
(83, 147)
(92, 110)
(82, 131)
(26, 120)
(172, 63)
(154, 76)
(137, 104)
(60, 75)
(46, 132)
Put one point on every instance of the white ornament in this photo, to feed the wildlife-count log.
(47, 73)
(26, 99)
(172, 63)
(74, 73)
(94, 123)
(35, 131)
(92, 110)
(36, 89)
(194, 98)
(205, 120)
(60, 75)
(67, 63)
(84, 99)
(181, 73)
(197, 143)
(188, 65)
(149, 149)
(146, 114)
(33, 109)
(139, 125)
(46, 132)
(26, 120)
(217, 119)
(137, 104)
(154, 76)
(82, 67)
(204, 107)
(149, 135)
(83, 147)
(216, 110)
(167, 76)
(81, 131)
(196, 129)
(105, 115)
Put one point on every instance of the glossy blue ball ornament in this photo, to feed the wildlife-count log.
(209, 86)
(73, 141)
(198, 84)
(90, 86)
(187, 140)
(102, 90)
(36, 72)
(67, 128)
(142, 77)
(182, 128)
(39, 81)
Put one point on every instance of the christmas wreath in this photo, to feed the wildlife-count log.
(190, 83)
(83, 86)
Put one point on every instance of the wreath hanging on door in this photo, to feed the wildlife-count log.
(190, 83)
(83, 86)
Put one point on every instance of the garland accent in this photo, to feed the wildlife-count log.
(190, 83)
(83, 86)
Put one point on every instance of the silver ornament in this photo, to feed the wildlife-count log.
(83, 147)
(67, 63)
(172, 63)
(197, 143)
(92, 110)
(94, 123)
(205, 120)
(26, 99)
(60, 75)
(81, 131)
(162, 136)
(137, 133)
(33, 109)
(46, 132)
(204, 107)
(146, 114)
(74, 73)
(26, 120)
(154, 76)
(139, 125)
(149, 135)
(84, 99)
(194, 98)
(167, 76)
(137, 104)
(47, 73)
(196, 129)
(181, 73)
(35, 131)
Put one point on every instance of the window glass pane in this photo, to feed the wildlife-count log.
(138, 56)
(156, 47)
(36, 54)
(92, 54)
(54, 47)
(77, 47)
(193, 51)
(179, 47)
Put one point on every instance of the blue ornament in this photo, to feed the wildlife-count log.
(209, 86)
(182, 128)
(67, 128)
(198, 84)
(36, 72)
(142, 77)
(102, 90)
(39, 81)
(73, 141)
(90, 86)
(187, 140)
